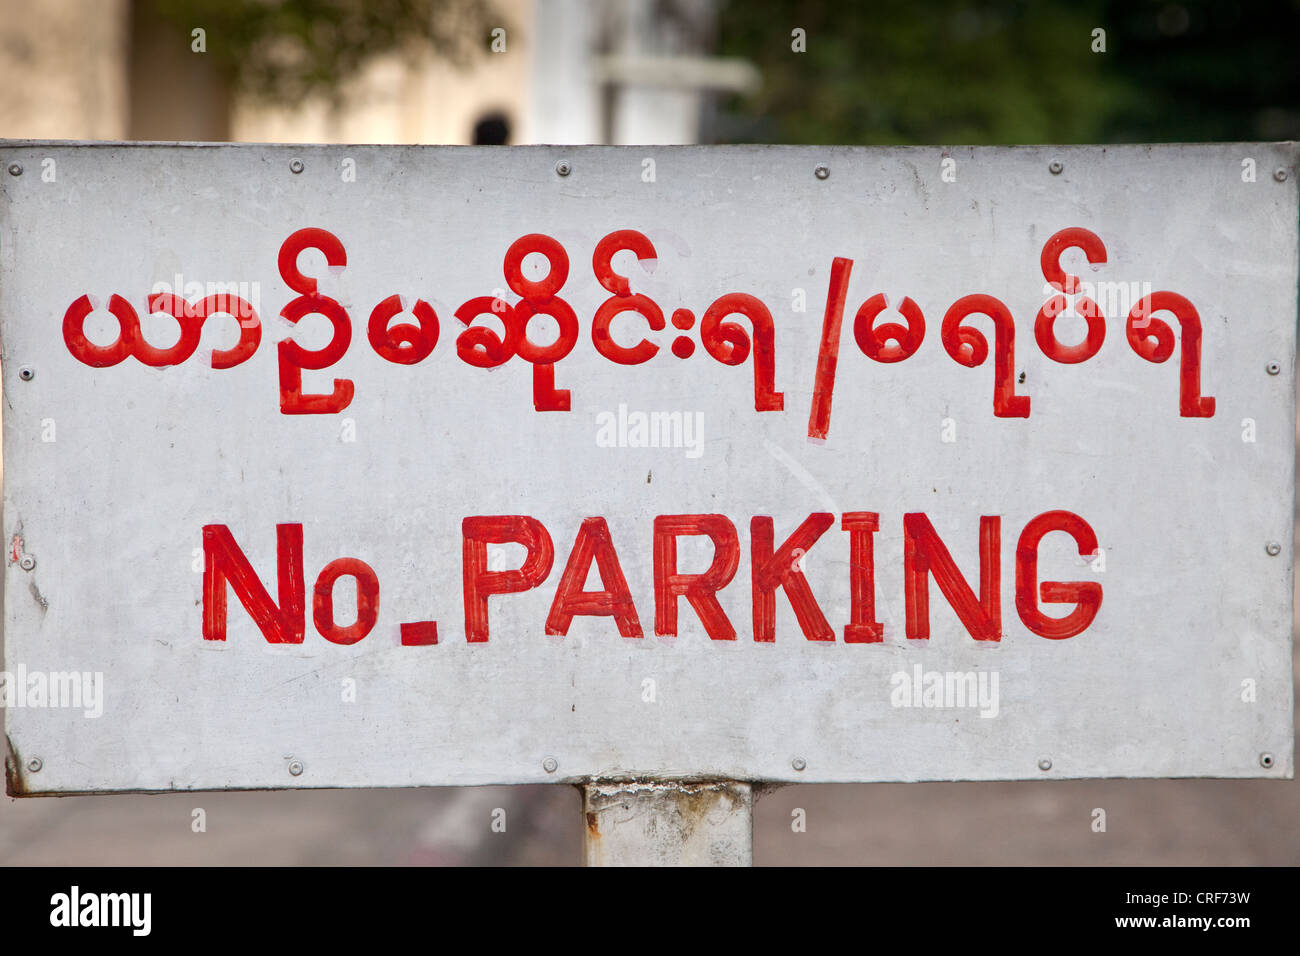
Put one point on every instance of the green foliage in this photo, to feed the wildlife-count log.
(1010, 71)
(285, 50)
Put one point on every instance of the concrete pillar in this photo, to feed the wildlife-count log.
(668, 824)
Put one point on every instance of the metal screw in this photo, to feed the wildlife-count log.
(1044, 764)
(1265, 761)
(295, 768)
(27, 373)
(550, 764)
(1273, 368)
(1279, 174)
(26, 562)
(798, 763)
(1273, 548)
(295, 166)
(822, 171)
(563, 168)
(35, 764)
(1055, 167)
(15, 169)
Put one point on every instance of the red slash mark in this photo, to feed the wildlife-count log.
(819, 418)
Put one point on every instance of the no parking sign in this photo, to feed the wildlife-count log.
(398, 466)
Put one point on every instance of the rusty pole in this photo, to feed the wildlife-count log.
(658, 823)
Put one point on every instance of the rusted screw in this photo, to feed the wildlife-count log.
(563, 168)
(15, 169)
(1279, 174)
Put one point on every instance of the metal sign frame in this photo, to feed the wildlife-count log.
(398, 466)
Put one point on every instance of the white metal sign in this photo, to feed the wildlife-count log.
(377, 466)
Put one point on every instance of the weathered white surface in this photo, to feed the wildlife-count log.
(113, 509)
(668, 824)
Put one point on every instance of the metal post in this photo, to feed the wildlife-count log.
(654, 823)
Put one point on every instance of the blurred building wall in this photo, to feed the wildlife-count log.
(62, 62)
(613, 71)
(572, 71)
(174, 93)
(394, 100)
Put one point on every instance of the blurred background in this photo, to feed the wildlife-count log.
(658, 72)
(650, 71)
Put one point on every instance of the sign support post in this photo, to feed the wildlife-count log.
(668, 823)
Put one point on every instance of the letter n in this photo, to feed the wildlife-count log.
(224, 562)
(924, 554)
